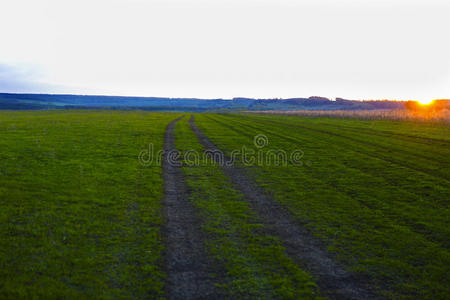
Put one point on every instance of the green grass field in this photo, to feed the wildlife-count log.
(377, 192)
(81, 217)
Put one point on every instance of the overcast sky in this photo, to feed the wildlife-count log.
(397, 49)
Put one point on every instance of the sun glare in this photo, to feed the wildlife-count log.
(425, 102)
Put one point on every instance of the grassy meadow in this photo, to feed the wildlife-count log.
(376, 192)
(81, 217)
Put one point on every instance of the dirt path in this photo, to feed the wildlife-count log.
(187, 265)
(334, 282)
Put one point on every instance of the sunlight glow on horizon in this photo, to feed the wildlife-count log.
(426, 101)
(225, 49)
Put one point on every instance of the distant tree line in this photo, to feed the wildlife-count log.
(50, 101)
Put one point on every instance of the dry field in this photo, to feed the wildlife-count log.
(406, 115)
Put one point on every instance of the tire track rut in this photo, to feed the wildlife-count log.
(188, 268)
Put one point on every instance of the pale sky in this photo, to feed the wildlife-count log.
(397, 49)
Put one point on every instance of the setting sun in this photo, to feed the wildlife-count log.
(425, 102)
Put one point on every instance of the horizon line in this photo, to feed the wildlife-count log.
(206, 99)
